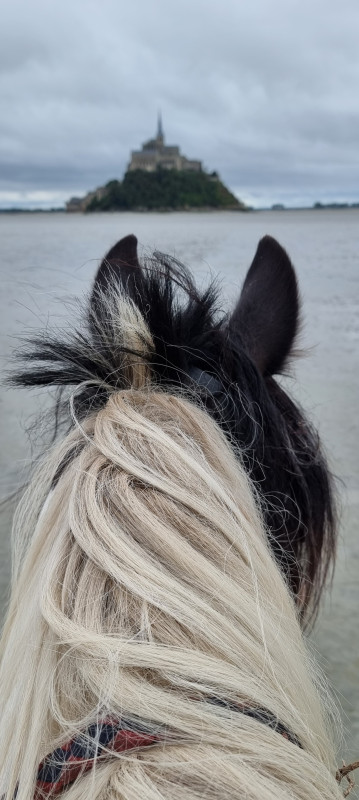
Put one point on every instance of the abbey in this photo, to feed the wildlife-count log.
(155, 153)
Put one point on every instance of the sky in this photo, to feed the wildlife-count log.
(266, 92)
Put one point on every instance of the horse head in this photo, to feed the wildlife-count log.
(232, 361)
(148, 612)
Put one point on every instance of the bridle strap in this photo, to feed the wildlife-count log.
(66, 763)
(98, 743)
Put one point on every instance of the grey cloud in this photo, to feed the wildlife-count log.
(264, 92)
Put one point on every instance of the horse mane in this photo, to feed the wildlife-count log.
(145, 586)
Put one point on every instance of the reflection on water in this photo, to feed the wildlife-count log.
(46, 258)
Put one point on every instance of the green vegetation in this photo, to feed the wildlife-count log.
(162, 190)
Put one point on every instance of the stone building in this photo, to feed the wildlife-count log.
(155, 153)
(81, 203)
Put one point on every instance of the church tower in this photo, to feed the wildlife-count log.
(160, 135)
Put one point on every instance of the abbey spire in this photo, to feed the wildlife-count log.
(160, 135)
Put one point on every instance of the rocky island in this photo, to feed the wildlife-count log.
(160, 178)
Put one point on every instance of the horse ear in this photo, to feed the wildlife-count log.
(120, 265)
(266, 317)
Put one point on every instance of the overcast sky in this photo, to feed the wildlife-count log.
(264, 91)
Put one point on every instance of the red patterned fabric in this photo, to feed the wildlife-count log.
(61, 767)
(77, 756)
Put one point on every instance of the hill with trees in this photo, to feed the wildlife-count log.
(163, 189)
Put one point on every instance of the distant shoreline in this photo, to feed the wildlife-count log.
(207, 209)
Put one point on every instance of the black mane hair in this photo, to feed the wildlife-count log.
(228, 362)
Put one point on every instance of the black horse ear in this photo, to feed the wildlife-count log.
(266, 318)
(120, 265)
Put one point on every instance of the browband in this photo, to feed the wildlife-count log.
(61, 767)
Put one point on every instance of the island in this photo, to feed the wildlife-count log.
(160, 178)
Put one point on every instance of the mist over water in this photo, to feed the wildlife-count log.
(48, 258)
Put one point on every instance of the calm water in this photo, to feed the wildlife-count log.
(47, 258)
